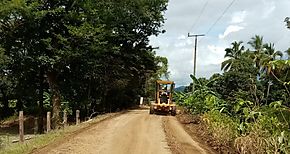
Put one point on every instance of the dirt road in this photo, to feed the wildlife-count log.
(135, 132)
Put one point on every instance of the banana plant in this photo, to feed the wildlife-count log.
(202, 87)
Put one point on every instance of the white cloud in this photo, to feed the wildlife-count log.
(189, 42)
(230, 29)
(242, 21)
(181, 37)
(216, 49)
(216, 55)
(268, 9)
(180, 44)
(238, 17)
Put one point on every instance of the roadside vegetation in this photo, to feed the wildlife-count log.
(66, 55)
(247, 106)
(92, 56)
(54, 137)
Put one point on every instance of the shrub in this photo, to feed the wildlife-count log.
(223, 128)
(268, 134)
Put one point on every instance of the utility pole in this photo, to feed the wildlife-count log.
(194, 60)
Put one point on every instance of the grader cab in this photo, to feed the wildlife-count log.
(163, 98)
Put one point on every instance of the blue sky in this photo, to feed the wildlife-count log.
(243, 20)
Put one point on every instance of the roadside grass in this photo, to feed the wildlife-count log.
(43, 140)
(6, 139)
(223, 127)
(37, 142)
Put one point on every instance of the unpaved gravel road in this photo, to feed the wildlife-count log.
(134, 132)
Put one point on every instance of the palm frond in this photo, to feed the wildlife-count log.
(229, 53)
(278, 53)
(195, 80)
(226, 65)
(211, 81)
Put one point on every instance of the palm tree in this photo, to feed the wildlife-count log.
(257, 43)
(276, 67)
(270, 51)
(269, 55)
(233, 53)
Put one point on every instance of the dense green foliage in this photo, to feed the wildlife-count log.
(246, 107)
(65, 55)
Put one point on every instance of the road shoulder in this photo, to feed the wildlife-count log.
(74, 131)
(180, 141)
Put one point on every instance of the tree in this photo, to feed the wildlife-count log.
(83, 52)
(239, 82)
(258, 46)
(5, 85)
(161, 73)
(269, 54)
(162, 70)
(233, 54)
(40, 34)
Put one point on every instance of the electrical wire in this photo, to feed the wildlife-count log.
(218, 19)
(199, 16)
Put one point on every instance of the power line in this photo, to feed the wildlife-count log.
(218, 19)
(200, 14)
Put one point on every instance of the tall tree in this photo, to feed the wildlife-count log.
(258, 46)
(271, 52)
(268, 55)
(233, 53)
(81, 51)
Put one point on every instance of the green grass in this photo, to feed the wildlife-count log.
(45, 139)
(35, 143)
(9, 119)
(223, 127)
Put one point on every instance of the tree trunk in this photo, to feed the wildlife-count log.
(40, 114)
(52, 80)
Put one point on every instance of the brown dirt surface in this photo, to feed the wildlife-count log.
(198, 130)
(132, 132)
(180, 141)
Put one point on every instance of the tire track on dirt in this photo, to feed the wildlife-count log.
(134, 132)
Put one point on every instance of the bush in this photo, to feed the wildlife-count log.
(269, 133)
(266, 135)
(240, 121)
(223, 128)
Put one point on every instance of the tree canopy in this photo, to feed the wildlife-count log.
(88, 55)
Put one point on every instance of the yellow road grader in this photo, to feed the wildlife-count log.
(163, 98)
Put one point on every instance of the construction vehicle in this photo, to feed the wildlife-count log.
(163, 98)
